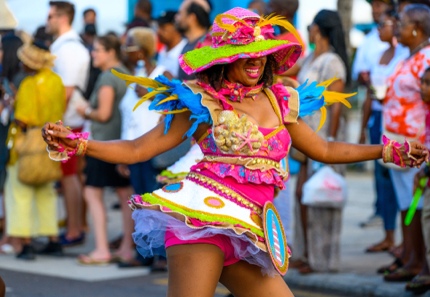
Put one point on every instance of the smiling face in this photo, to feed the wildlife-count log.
(246, 71)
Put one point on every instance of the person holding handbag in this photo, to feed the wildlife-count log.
(41, 97)
(328, 60)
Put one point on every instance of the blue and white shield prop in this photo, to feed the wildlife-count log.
(276, 241)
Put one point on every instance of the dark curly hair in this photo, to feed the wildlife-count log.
(215, 74)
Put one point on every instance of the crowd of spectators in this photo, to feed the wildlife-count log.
(71, 73)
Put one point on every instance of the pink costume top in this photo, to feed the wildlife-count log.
(224, 192)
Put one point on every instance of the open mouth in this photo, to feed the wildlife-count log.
(253, 72)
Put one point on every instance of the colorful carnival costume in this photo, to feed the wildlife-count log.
(221, 200)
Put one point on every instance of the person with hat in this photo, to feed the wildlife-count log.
(41, 97)
(219, 223)
(173, 42)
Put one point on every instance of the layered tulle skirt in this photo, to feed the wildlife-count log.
(200, 207)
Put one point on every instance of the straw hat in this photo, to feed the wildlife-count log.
(240, 33)
(7, 19)
(35, 57)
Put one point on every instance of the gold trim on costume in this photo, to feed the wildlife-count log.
(274, 102)
(293, 106)
(252, 163)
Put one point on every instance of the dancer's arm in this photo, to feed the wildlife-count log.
(141, 149)
(307, 141)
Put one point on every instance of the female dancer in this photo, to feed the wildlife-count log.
(212, 222)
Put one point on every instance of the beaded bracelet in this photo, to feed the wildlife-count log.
(397, 153)
(81, 147)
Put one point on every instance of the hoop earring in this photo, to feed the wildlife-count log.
(414, 33)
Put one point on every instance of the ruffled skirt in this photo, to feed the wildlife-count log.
(200, 207)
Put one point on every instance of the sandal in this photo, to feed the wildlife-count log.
(379, 247)
(419, 284)
(400, 275)
(390, 268)
(90, 261)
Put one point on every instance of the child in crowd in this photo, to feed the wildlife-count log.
(421, 283)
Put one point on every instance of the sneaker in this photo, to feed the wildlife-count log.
(373, 221)
(27, 253)
(52, 249)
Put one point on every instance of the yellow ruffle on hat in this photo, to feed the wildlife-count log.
(34, 57)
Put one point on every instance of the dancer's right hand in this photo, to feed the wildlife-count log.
(55, 135)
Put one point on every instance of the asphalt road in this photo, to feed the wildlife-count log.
(21, 284)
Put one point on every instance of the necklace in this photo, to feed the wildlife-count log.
(236, 92)
(418, 48)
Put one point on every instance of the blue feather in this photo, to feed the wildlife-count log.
(186, 99)
(311, 98)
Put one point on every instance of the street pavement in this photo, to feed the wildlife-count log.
(63, 277)
(50, 276)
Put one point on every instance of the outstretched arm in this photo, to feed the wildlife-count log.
(307, 141)
(141, 149)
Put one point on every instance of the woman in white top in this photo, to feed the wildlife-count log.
(140, 48)
(317, 238)
(386, 204)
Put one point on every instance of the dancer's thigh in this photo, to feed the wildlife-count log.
(194, 270)
(246, 280)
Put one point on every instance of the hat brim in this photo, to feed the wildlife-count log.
(286, 54)
(27, 60)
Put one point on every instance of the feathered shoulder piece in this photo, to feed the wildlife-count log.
(315, 97)
(170, 97)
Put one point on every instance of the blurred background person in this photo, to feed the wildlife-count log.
(172, 40)
(404, 118)
(141, 18)
(88, 37)
(90, 16)
(11, 77)
(367, 55)
(140, 46)
(372, 121)
(318, 230)
(258, 6)
(72, 65)
(40, 89)
(43, 37)
(142, 15)
(104, 115)
(192, 20)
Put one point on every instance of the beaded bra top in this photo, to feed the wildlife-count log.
(238, 148)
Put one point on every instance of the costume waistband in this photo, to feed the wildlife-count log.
(224, 191)
(251, 163)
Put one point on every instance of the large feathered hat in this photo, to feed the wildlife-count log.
(240, 33)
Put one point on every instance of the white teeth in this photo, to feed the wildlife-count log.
(251, 70)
